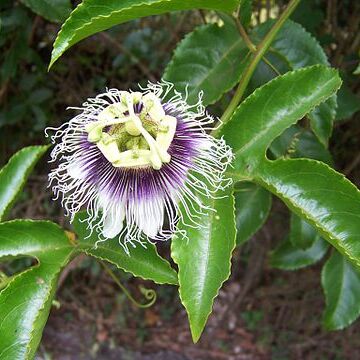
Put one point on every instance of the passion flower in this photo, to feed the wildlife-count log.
(138, 162)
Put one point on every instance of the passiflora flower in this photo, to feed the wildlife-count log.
(138, 163)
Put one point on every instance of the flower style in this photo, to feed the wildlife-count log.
(138, 163)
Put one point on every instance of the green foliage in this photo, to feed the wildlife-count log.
(26, 299)
(204, 259)
(91, 17)
(141, 262)
(25, 95)
(253, 205)
(283, 101)
(210, 59)
(288, 257)
(52, 10)
(245, 12)
(302, 234)
(341, 284)
(297, 142)
(300, 49)
(348, 104)
(320, 195)
(15, 173)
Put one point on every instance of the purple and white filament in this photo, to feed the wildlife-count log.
(136, 162)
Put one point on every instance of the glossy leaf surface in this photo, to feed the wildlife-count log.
(300, 49)
(288, 257)
(341, 284)
(141, 262)
(252, 204)
(204, 260)
(93, 16)
(283, 101)
(210, 59)
(314, 191)
(52, 10)
(26, 300)
(14, 174)
(320, 195)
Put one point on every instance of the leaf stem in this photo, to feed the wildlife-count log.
(257, 56)
(252, 47)
(148, 293)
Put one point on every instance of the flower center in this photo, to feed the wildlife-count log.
(135, 132)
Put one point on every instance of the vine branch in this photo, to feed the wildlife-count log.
(256, 57)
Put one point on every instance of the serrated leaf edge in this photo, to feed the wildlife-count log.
(276, 79)
(333, 240)
(196, 336)
(78, 8)
(87, 252)
(188, 37)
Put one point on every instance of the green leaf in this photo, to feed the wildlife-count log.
(341, 284)
(141, 262)
(252, 204)
(93, 16)
(302, 234)
(317, 193)
(300, 49)
(52, 10)
(245, 12)
(204, 260)
(314, 191)
(271, 109)
(288, 257)
(297, 142)
(210, 59)
(26, 300)
(14, 174)
(348, 104)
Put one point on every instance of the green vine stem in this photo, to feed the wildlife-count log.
(149, 294)
(256, 57)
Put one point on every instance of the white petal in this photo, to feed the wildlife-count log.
(149, 216)
(113, 222)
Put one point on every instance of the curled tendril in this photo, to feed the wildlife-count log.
(149, 294)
